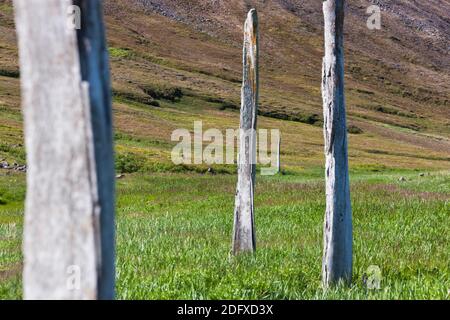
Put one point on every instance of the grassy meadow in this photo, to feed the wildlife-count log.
(174, 237)
(174, 223)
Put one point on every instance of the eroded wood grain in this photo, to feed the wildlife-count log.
(69, 212)
(337, 259)
(244, 238)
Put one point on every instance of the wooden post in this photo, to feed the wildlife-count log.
(337, 259)
(278, 155)
(244, 239)
(69, 211)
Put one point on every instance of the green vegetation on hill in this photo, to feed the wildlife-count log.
(171, 69)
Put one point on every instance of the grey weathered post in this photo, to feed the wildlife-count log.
(337, 259)
(244, 224)
(278, 155)
(69, 212)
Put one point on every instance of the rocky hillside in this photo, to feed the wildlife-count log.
(397, 78)
(397, 73)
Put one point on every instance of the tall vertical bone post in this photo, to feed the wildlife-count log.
(337, 256)
(244, 239)
(69, 210)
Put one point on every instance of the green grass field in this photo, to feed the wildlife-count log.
(174, 237)
(174, 222)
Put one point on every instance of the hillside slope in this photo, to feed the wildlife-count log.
(185, 56)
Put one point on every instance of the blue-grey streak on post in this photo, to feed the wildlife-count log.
(94, 61)
(337, 255)
(244, 239)
(69, 211)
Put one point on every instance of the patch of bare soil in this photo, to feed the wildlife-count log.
(11, 272)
